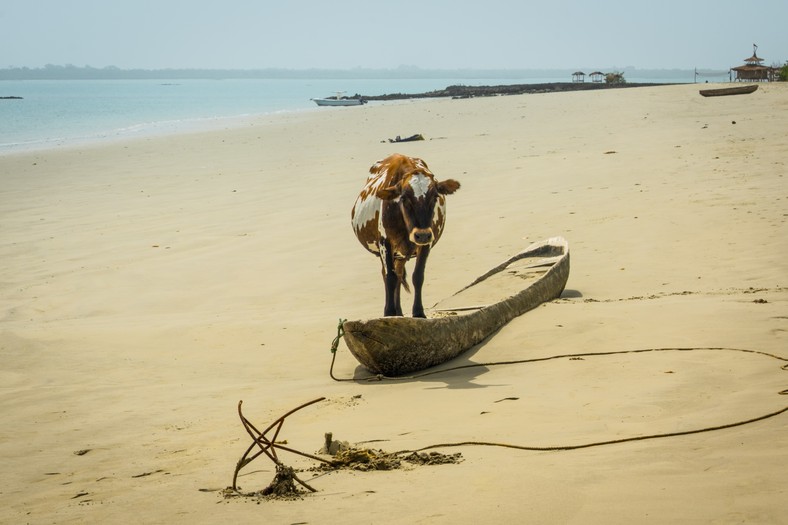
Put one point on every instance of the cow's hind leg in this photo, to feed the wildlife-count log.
(418, 280)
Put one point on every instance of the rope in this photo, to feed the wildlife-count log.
(334, 347)
(600, 443)
(381, 377)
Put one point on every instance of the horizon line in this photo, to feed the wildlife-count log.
(400, 68)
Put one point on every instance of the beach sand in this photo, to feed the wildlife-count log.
(147, 286)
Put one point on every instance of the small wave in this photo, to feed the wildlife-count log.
(141, 130)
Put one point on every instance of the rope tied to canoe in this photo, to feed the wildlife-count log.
(340, 333)
(335, 346)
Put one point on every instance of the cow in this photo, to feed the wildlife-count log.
(400, 213)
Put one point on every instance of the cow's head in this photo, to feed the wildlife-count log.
(418, 195)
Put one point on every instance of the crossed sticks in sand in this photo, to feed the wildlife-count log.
(269, 446)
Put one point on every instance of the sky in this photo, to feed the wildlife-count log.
(429, 34)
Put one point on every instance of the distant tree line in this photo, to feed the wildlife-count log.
(615, 78)
(72, 72)
(783, 74)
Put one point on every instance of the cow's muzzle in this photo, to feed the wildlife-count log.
(421, 236)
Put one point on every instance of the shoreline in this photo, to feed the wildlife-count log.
(69, 133)
(187, 125)
(147, 131)
(217, 124)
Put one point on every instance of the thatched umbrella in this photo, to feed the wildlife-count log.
(597, 76)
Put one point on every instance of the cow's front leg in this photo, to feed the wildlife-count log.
(418, 280)
(391, 281)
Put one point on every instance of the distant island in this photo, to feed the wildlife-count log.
(71, 72)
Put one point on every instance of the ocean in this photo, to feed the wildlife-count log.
(54, 113)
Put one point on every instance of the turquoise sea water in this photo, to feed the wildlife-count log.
(52, 113)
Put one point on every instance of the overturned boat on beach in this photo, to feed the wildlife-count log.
(394, 346)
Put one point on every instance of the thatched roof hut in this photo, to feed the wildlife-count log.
(578, 76)
(753, 70)
(597, 76)
(754, 60)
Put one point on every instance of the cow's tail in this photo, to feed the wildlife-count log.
(403, 278)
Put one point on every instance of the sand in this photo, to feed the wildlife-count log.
(149, 285)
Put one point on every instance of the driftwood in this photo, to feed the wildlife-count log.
(268, 446)
(395, 346)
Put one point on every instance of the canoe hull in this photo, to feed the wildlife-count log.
(722, 92)
(394, 346)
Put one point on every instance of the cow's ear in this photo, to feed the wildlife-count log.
(389, 194)
(448, 186)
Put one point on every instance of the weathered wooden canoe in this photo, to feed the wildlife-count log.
(395, 346)
(721, 92)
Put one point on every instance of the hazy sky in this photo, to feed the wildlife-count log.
(445, 34)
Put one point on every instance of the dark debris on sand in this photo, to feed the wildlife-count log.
(369, 459)
(282, 487)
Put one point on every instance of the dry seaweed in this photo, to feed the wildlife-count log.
(370, 459)
(432, 458)
(362, 459)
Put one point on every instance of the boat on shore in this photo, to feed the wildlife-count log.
(736, 90)
(339, 100)
(394, 346)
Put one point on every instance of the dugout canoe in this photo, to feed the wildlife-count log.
(394, 346)
(721, 92)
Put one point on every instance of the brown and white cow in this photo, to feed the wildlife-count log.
(399, 214)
